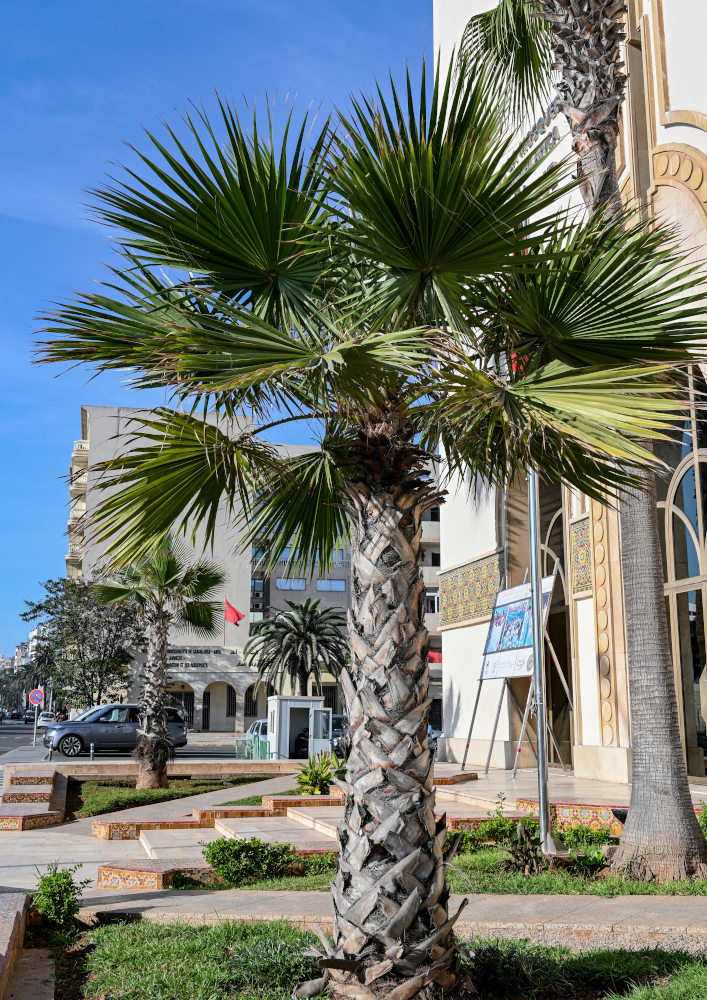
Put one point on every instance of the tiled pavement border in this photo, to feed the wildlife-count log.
(568, 814)
(577, 922)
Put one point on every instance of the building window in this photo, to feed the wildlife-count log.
(432, 601)
(290, 583)
(230, 701)
(337, 585)
(329, 692)
(250, 702)
(434, 513)
(435, 559)
(257, 586)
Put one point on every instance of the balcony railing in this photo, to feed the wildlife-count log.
(81, 445)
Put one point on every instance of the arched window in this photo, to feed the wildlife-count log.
(682, 521)
(250, 703)
(231, 701)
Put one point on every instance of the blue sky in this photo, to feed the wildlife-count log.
(78, 80)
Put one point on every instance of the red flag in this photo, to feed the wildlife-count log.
(434, 656)
(232, 614)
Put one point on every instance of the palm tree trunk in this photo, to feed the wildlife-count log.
(154, 748)
(390, 897)
(302, 679)
(662, 838)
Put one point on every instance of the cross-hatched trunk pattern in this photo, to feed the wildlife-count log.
(586, 36)
(390, 897)
(154, 748)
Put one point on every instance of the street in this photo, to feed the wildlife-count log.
(16, 738)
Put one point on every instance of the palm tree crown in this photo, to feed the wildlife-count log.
(414, 288)
(299, 644)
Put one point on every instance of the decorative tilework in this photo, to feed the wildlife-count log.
(32, 779)
(26, 797)
(469, 592)
(581, 550)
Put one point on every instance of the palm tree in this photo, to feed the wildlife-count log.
(171, 593)
(298, 644)
(662, 838)
(398, 279)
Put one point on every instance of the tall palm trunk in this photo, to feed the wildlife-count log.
(662, 838)
(390, 897)
(154, 748)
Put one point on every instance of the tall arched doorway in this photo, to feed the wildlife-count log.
(682, 503)
(181, 695)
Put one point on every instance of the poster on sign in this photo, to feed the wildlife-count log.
(509, 645)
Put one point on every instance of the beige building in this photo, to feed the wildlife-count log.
(663, 166)
(211, 680)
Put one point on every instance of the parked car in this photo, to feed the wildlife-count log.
(257, 730)
(28, 715)
(108, 727)
(432, 736)
(45, 719)
(14, 714)
(340, 735)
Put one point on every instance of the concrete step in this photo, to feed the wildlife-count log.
(166, 844)
(324, 819)
(28, 816)
(471, 796)
(28, 793)
(275, 828)
(35, 778)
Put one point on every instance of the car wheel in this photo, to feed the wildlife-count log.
(70, 746)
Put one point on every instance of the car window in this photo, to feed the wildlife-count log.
(121, 713)
(173, 715)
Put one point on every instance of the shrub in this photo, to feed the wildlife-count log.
(524, 852)
(583, 836)
(320, 864)
(703, 818)
(317, 775)
(58, 896)
(239, 861)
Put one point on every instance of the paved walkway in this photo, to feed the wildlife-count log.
(675, 923)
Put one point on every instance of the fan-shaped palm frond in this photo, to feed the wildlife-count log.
(512, 41)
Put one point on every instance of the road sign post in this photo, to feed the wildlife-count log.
(35, 698)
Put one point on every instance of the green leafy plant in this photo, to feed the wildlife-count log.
(318, 774)
(703, 817)
(583, 836)
(468, 840)
(57, 897)
(524, 853)
(240, 861)
(320, 864)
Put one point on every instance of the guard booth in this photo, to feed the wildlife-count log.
(289, 716)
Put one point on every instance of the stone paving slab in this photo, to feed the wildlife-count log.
(13, 918)
(323, 819)
(275, 828)
(34, 976)
(675, 923)
(165, 844)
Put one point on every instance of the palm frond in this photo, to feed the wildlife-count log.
(434, 196)
(608, 292)
(180, 469)
(238, 212)
(512, 41)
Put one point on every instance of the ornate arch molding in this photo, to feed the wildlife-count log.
(670, 116)
(677, 165)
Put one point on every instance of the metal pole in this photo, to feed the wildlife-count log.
(495, 725)
(471, 724)
(34, 738)
(546, 841)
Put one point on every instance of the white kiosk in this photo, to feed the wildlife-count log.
(289, 716)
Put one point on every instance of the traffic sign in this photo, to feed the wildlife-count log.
(36, 697)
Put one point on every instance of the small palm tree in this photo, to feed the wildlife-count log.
(171, 593)
(298, 644)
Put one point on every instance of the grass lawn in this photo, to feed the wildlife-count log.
(91, 798)
(482, 871)
(257, 800)
(264, 961)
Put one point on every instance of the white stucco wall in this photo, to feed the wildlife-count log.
(587, 678)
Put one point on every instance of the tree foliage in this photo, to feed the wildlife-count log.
(84, 649)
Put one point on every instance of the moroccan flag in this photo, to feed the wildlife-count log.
(232, 614)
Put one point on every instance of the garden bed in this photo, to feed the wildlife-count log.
(232, 961)
(93, 798)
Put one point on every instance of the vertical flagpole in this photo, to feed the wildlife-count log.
(546, 841)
